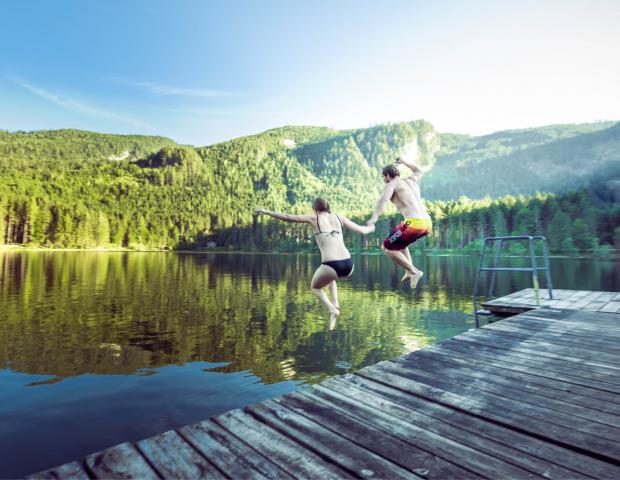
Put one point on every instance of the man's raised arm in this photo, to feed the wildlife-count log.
(388, 191)
(417, 171)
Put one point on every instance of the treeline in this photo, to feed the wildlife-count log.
(570, 222)
(74, 189)
(80, 189)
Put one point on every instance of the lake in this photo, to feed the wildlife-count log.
(100, 348)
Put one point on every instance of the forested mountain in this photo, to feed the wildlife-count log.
(556, 158)
(71, 188)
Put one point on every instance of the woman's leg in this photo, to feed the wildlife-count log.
(323, 276)
(333, 291)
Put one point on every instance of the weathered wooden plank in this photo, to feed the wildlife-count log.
(172, 456)
(358, 460)
(580, 321)
(582, 302)
(578, 349)
(69, 471)
(491, 457)
(604, 401)
(605, 364)
(559, 332)
(602, 363)
(566, 299)
(507, 309)
(365, 431)
(592, 368)
(229, 454)
(284, 452)
(568, 374)
(532, 393)
(572, 331)
(611, 307)
(571, 416)
(560, 337)
(608, 296)
(595, 306)
(410, 431)
(532, 451)
(599, 318)
(120, 462)
(504, 410)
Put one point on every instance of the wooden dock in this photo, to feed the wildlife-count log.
(532, 396)
(525, 300)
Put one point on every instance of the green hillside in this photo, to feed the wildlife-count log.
(70, 188)
(556, 158)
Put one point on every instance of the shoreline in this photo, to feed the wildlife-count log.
(21, 248)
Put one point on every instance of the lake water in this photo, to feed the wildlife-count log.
(101, 348)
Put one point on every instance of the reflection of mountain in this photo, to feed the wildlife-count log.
(66, 314)
(70, 313)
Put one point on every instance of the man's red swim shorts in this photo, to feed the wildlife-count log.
(407, 232)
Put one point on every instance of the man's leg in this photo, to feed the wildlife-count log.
(404, 260)
(408, 255)
(401, 259)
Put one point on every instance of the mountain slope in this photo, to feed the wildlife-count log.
(554, 159)
(74, 188)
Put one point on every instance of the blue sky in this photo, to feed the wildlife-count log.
(204, 71)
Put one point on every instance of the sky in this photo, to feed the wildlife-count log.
(206, 71)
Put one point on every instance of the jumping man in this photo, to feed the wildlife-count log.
(405, 194)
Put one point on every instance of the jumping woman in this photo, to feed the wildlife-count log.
(335, 258)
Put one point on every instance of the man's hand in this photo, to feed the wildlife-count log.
(260, 210)
(406, 163)
(411, 165)
(371, 223)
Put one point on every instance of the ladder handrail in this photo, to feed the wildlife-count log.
(533, 266)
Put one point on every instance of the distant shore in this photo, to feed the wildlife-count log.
(431, 253)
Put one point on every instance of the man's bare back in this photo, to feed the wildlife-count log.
(407, 198)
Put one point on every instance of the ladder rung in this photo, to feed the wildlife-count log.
(511, 269)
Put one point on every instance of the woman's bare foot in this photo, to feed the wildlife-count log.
(333, 315)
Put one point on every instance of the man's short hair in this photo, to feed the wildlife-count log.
(391, 171)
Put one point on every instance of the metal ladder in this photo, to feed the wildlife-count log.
(532, 268)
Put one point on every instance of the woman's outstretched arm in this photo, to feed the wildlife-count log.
(286, 217)
(354, 227)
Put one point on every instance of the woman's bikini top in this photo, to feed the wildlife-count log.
(332, 233)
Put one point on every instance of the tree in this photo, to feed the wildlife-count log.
(559, 234)
(582, 235)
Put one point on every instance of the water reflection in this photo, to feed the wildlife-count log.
(108, 347)
(70, 313)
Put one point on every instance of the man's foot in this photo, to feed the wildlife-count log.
(414, 279)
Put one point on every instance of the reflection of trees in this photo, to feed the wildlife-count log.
(71, 313)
